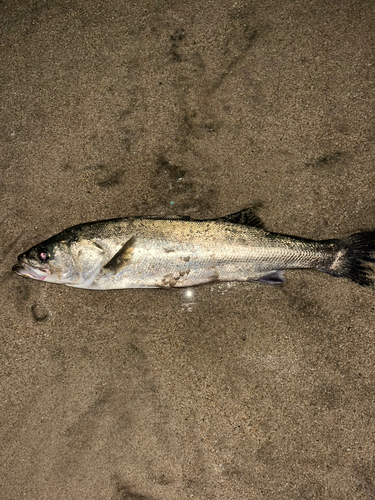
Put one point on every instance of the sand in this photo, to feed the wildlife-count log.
(241, 391)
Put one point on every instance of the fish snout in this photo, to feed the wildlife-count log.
(23, 269)
(18, 268)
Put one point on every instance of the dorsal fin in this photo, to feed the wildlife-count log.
(247, 217)
(168, 217)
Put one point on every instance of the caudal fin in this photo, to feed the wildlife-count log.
(355, 258)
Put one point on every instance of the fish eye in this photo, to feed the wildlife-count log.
(43, 255)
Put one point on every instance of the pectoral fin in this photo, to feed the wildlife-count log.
(121, 258)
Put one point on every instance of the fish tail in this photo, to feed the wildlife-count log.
(354, 258)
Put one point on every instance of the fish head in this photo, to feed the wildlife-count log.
(50, 261)
(68, 258)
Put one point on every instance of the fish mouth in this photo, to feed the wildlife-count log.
(30, 272)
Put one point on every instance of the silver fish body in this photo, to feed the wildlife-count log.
(162, 253)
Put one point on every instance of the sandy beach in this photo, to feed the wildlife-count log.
(234, 391)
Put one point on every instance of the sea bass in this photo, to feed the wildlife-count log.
(167, 253)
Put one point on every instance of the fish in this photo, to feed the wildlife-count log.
(138, 252)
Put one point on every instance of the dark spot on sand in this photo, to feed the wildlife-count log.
(125, 113)
(242, 42)
(99, 166)
(325, 160)
(302, 305)
(366, 479)
(176, 39)
(197, 61)
(250, 35)
(211, 127)
(125, 492)
(105, 176)
(134, 349)
(176, 186)
(111, 180)
(311, 490)
(267, 453)
(39, 312)
(164, 480)
(85, 351)
(23, 291)
(178, 35)
(199, 123)
(57, 353)
(241, 13)
(174, 172)
(342, 128)
(126, 142)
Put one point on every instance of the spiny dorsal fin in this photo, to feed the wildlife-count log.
(247, 217)
(121, 258)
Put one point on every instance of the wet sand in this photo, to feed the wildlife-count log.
(242, 391)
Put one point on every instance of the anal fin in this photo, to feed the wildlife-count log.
(121, 258)
(272, 278)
